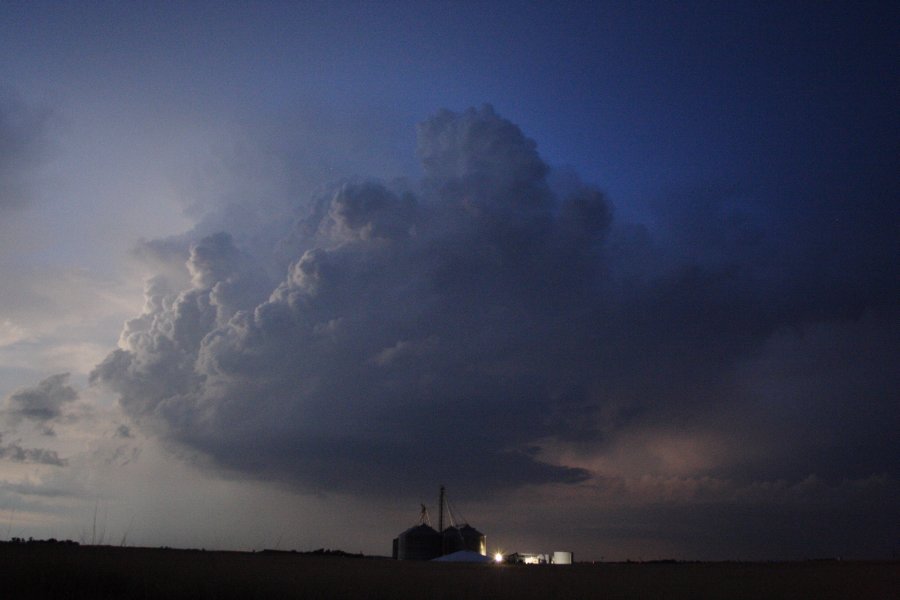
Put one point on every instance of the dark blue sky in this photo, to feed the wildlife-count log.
(639, 98)
(643, 267)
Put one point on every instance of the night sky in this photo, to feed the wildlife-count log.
(622, 276)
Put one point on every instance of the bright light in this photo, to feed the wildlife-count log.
(498, 558)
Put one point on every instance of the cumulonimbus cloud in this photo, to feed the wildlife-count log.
(440, 331)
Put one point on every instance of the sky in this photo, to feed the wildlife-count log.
(622, 276)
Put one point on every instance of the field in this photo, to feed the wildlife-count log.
(41, 570)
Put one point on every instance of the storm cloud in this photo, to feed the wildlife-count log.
(13, 451)
(41, 404)
(488, 328)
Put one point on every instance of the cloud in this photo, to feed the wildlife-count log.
(401, 306)
(484, 327)
(17, 453)
(41, 404)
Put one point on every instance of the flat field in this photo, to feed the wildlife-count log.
(71, 571)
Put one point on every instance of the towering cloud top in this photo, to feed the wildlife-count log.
(477, 150)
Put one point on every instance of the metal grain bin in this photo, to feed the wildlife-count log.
(473, 540)
(419, 543)
(463, 538)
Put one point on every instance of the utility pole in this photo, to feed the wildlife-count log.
(441, 522)
(441, 512)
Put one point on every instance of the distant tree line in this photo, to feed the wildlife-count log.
(319, 552)
(18, 540)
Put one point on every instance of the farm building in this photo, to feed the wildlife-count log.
(423, 542)
(530, 558)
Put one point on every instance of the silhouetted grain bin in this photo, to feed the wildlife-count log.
(473, 540)
(451, 540)
(463, 538)
(424, 543)
(419, 543)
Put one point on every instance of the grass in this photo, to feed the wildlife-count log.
(41, 570)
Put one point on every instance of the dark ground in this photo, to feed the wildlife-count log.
(43, 570)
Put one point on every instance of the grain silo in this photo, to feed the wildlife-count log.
(463, 538)
(420, 542)
(458, 537)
